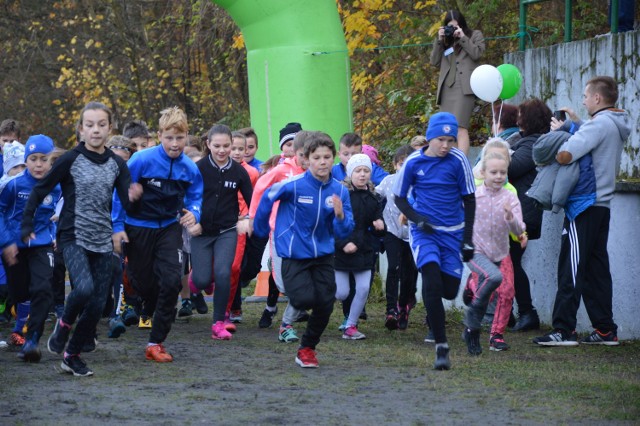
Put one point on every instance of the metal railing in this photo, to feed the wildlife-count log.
(568, 28)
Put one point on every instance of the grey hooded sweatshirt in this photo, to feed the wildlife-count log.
(603, 136)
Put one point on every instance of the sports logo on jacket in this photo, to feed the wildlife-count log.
(229, 184)
(329, 201)
(156, 183)
(48, 200)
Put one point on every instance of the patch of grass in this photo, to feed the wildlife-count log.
(585, 382)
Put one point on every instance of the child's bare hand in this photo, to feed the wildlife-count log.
(188, 219)
(10, 254)
(337, 207)
(350, 248)
(135, 192)
(195, 230)
(118, 238)
(508, 214)
(524, 239)
(378, 224)
(402, 219)
(243, 226)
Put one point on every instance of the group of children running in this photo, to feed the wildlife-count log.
(179, 221)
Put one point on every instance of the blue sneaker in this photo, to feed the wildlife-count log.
(129, 316)
(287, 334)
(30, 351)
(343, 326)
(116, 327)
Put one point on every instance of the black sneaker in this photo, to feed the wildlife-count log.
(129, 316)
(403, 319)
(197, 299)
(74, 365)
(58, 339)
(186, 310)
(430, 337)
(528, 321)
(267, 318)
(557, 338)
(497, 343)
(391, 321)
(30, 351)
(90, 345)
(442, 358)
(304, 317)
(467, 296)
(599, 338)
(472, 339)
(363, 315)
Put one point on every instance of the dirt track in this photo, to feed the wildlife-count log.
(253, 378)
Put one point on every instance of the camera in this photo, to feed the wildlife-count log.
(448, 34)
(560, 115)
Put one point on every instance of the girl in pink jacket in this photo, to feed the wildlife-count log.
(498, 212)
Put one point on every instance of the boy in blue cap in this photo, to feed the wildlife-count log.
(29, 265)
(440, 180)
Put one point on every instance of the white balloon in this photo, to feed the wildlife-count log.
(486, 83)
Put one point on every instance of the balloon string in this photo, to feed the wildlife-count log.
(495, 124)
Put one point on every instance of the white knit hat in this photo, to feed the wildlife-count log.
(356, 161)
(13, 155)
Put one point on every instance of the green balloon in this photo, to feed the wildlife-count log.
(512, 80)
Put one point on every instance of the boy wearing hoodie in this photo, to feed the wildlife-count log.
(583, 267)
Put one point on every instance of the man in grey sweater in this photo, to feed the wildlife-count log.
(583, 267)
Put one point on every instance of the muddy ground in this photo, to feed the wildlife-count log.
(253, 379)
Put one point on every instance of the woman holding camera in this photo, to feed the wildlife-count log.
(456, 51)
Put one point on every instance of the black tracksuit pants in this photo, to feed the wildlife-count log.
(583, 272)
(155, 271)
(30, 279)
(311, 284)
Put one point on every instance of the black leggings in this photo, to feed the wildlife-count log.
(520, 278)
(436, 285)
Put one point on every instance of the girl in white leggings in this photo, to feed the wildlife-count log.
(356, 253)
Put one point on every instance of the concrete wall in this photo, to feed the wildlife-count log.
(557, 74)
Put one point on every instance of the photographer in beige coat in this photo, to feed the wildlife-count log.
(456, 51)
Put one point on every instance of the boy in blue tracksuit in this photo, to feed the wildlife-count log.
(314, 210)
(29, 265)
(172, 199)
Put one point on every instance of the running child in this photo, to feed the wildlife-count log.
(153, 232)
(441, 181)
(289, 168)
(213, 251)
(355, 254)
(314, 209)
(29, 264)
(401, 268)
(498, 212)
(87, 175)
(505, 293)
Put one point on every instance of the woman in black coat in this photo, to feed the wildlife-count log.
(534, 117)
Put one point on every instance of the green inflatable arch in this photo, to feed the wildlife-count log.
(288, 79)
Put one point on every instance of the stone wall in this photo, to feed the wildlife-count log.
(557, 74)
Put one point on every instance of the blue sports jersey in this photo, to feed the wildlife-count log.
(438, 185)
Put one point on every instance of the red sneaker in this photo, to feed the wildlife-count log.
(228, 325)
(157, 353)
(307, 358)
(16, 339)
